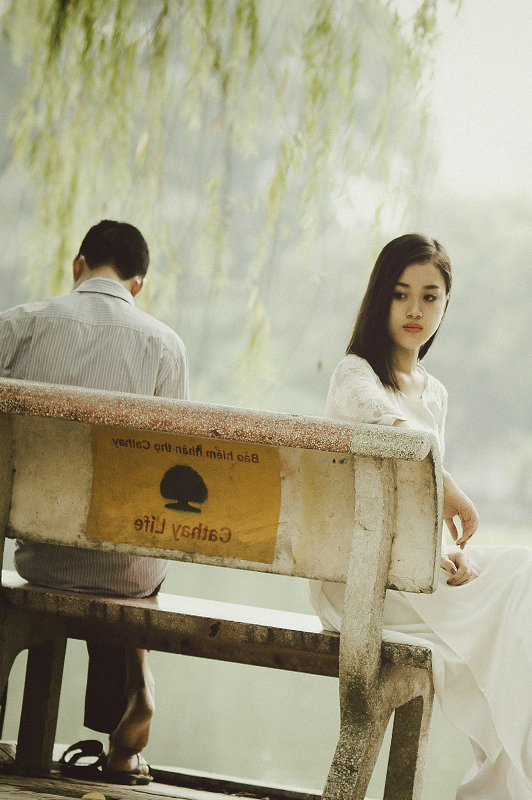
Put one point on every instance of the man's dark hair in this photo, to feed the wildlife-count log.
(117, 244)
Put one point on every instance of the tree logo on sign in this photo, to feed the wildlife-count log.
(183, 485)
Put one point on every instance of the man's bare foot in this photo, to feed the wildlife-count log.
(132, 734)
(124, 759)
(133, 731)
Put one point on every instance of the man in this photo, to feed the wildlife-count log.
(95, 337)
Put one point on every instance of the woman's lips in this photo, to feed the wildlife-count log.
(412, 328)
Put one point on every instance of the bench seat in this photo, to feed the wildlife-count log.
(205, 628)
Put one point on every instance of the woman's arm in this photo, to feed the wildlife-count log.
(458, 504)
(455, 504)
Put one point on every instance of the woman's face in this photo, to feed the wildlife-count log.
(418, 304)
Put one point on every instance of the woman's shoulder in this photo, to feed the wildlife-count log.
(357, 394)
(352, 364)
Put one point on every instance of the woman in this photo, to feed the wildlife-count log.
(477, 621)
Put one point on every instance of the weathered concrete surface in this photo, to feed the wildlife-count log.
(360, 505)
(173, 416)
(53, 467)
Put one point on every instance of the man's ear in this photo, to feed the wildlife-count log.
(136, 285)
(79, 265)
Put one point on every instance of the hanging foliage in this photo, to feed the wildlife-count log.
(222, 129)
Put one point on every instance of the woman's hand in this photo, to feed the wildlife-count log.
(460, 568)
(458, 504)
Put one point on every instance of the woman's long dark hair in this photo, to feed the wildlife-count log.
(370, 338)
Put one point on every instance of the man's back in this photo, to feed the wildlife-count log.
(96, 338)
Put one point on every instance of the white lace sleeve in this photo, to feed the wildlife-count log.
(356, 393)
(440, 393)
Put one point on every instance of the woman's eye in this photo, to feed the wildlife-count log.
(399, 295)
(430, 298)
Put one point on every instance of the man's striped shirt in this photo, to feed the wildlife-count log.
(94, 337)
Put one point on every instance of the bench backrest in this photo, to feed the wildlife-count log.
(217, 485)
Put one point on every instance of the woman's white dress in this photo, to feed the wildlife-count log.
(479, 633)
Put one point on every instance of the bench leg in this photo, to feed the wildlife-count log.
(10, 646)
(40, 705)
(17, 632)
(409, 692)
(408, 748)
(356, 753)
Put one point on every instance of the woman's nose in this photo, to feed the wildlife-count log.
(414, 311)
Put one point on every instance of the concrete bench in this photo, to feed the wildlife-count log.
(291, 495)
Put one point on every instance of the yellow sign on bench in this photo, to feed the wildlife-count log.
(214, 497)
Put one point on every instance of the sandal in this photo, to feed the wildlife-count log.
(87, 748)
